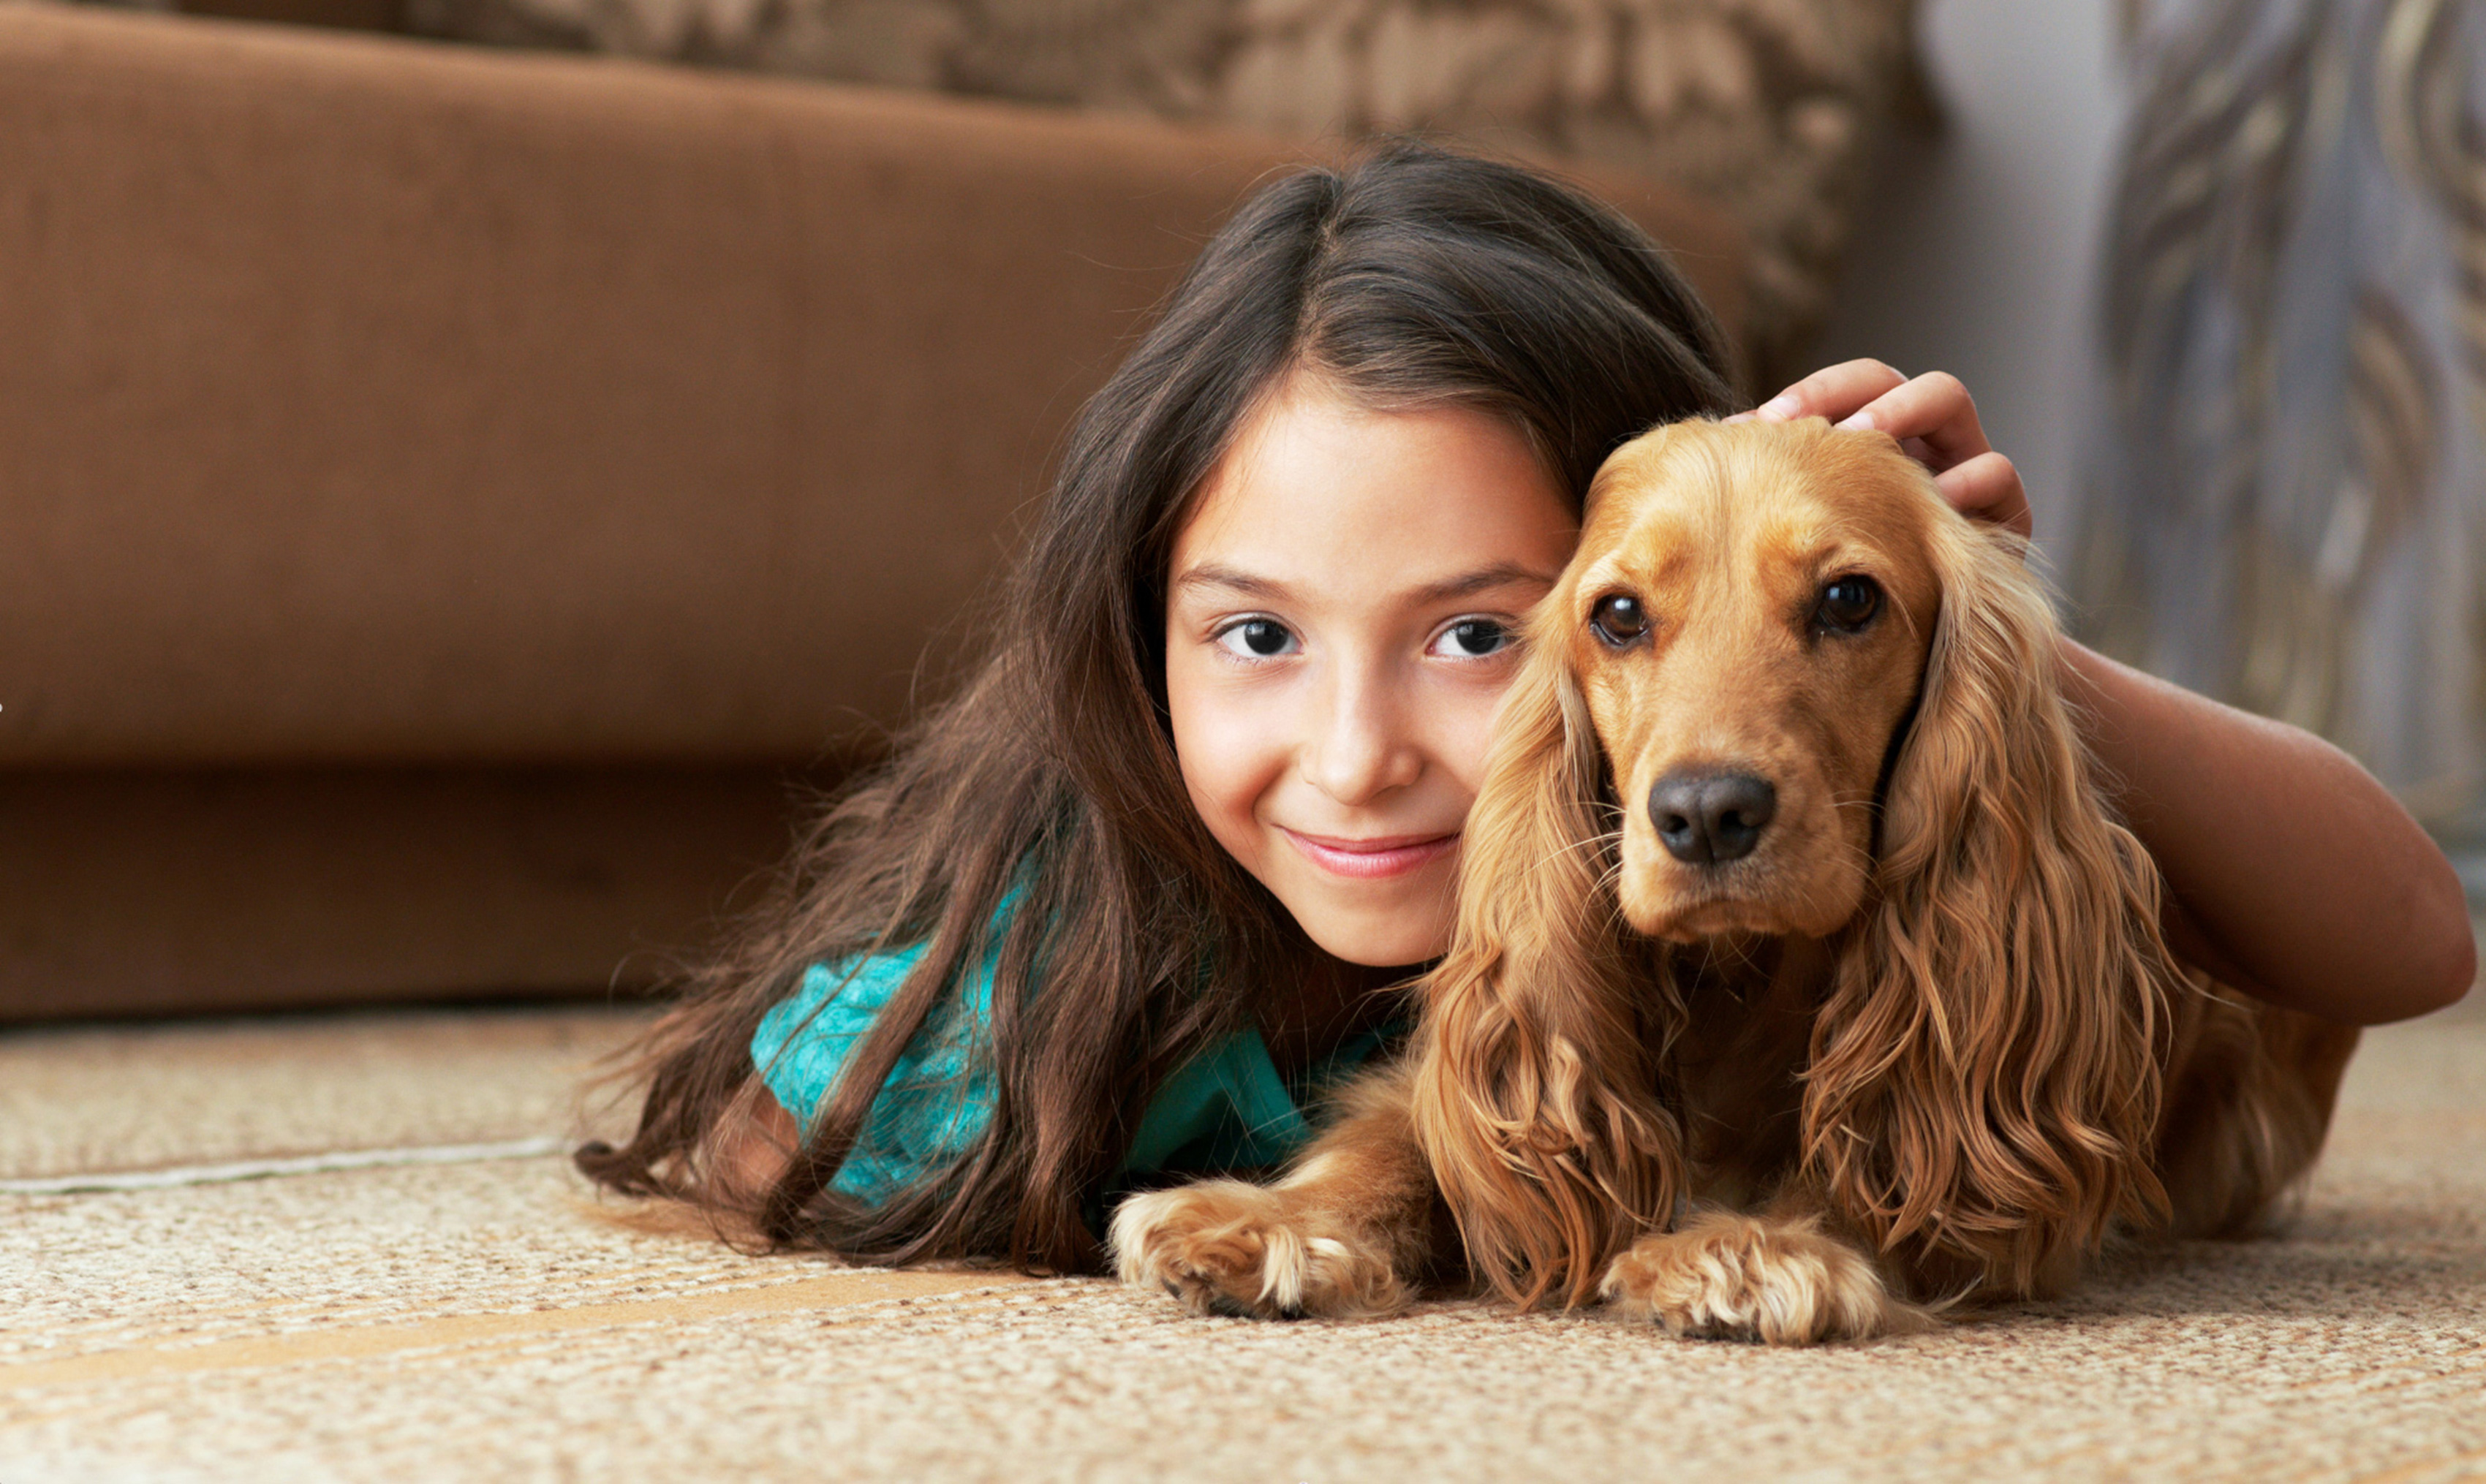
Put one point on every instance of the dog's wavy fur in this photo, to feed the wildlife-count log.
(1941, 1054)
(1537, 1066)
(1984, 1074)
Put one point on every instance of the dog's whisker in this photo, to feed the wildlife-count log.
(1609, 841)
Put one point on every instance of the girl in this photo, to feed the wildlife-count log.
(1128, 901)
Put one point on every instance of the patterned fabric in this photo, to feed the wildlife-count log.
(1228, 1109)
(2284, 508)
(939, 1096)
(1770, 108)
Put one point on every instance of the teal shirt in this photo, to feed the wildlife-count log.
(1227, 1109)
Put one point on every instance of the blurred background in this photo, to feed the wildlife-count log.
(477, 459)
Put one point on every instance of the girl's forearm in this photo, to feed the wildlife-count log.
(2291, 873)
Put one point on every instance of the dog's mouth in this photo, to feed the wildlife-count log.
(1715, 913)
(1753, 898)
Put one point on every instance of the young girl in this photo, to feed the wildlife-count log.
(1127, 903)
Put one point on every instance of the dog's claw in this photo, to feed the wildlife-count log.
(1231, 1251)
(1758, 1280)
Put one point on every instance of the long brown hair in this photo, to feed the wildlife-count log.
(1415, 276)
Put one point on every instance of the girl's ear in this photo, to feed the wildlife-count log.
(1536, 1093)
(1985, 1076)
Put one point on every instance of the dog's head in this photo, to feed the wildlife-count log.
(1783, 690)
(1748, 621)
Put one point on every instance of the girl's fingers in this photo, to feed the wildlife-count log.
(1835, 392)
(1988, 488)
(1933, 419)
(1934, 407)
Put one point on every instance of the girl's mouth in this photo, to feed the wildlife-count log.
(1370, 860)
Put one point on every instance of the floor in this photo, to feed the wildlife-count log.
(348, 1248)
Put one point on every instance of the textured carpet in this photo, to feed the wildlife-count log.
(476, 1318)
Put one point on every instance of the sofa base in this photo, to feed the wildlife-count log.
(132, 893)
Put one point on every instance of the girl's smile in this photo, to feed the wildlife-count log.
(1371, 860)
(1341, 624)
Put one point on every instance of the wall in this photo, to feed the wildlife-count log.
(1978, 253)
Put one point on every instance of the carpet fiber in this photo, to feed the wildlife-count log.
(476, 1317)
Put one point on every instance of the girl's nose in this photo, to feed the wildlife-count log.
(1360, 749)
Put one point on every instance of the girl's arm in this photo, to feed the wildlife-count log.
(753, 1142)
(2291, 873)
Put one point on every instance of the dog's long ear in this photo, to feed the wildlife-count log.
(1985, 1074)
(1535, 1092)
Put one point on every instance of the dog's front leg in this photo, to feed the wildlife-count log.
(1344, 1235)
(1781, 1277)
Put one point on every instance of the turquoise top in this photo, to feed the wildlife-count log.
(1227, 1109)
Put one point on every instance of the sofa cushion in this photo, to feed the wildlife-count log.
(377, 402)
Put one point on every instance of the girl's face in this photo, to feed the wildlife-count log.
(1341, 624)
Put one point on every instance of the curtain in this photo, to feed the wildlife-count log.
(2285, 474)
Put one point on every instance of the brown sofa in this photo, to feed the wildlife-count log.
(449, 500)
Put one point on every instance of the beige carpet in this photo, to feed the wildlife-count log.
(471, 1318)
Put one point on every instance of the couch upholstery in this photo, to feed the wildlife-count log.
(451, 496)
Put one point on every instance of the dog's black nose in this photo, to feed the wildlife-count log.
(1711, 818)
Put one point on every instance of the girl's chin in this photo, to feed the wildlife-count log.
(1378, 921)
(1376, 941)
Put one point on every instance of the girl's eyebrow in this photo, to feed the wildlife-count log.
(1483, 579)
(1209, 574)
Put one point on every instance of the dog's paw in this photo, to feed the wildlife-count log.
(1225, 1247)
(1782, 1283)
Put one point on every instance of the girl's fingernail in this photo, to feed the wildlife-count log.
(1862, 422)
(1778, 410)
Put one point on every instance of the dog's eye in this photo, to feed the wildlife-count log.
(1848, 604)
(1618, 619)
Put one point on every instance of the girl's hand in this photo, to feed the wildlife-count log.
(1935, 421)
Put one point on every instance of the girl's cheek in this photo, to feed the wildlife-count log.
(1231, 752)
(1463, 725)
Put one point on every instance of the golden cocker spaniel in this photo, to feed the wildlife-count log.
(1802, 984)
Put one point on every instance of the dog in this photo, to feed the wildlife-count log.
(1802, 985)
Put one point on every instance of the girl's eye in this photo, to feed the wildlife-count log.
(1256, 638)
(1473, 638)
(1619, 619)
(1848, 604)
